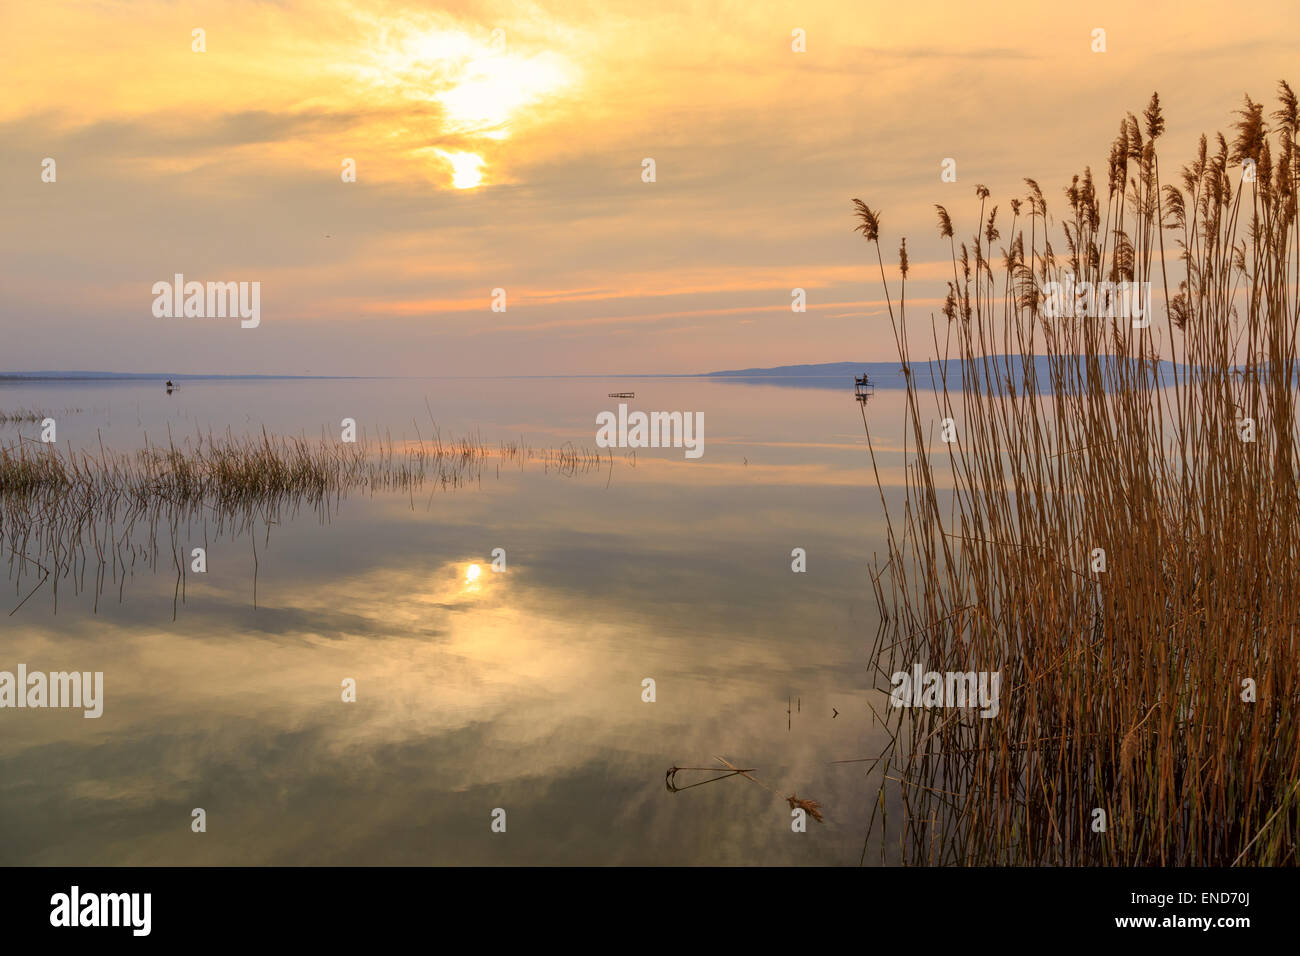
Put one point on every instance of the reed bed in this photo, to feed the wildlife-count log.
(24, 416)
(1125, 690)
(68, 514)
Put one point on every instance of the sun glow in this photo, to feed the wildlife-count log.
(471, 575)
(485, 89)
(491, 89)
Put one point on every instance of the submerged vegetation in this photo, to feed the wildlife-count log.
(1122, 545)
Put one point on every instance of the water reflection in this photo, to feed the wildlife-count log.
(520, 688)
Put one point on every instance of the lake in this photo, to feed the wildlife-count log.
(518, 690)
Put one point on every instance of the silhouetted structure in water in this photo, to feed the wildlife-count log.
(863, 388)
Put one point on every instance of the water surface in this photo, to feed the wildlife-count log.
(520, 690)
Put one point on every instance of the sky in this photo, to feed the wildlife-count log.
(501, 145)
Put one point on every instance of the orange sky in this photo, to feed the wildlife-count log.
(500, 145)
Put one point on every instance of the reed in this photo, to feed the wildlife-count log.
(1123, 689)
(21, 416)
(65, 513)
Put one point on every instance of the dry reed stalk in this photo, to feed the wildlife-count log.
(1073, 437)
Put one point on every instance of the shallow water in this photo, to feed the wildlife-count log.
(521, 690)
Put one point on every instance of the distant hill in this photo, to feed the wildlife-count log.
(825, 369)
(882, 374)
(824, 375)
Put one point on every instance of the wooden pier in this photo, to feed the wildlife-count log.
(622, 394)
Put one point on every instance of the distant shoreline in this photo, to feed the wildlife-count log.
(885, 374)
(149, 377)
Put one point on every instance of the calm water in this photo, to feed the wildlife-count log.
(521, 690)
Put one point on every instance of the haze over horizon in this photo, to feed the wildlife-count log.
(513, 160)
(56, 373)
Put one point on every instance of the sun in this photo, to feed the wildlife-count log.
(472, 573)
(466, 168)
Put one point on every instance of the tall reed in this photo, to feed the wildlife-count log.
(1127, 690)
